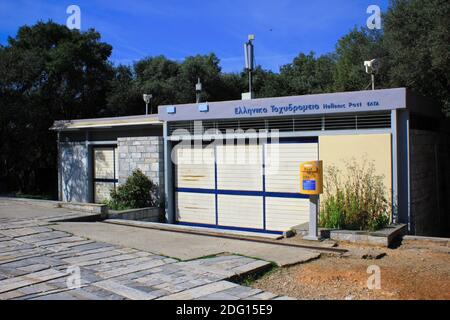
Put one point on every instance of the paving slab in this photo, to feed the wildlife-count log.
(201, 291)
(34, 261)
(29, 279)
(194, 246)
(123, 290)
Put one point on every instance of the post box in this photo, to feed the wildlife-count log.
(311, 177)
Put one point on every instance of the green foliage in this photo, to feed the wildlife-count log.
(308, 74)
(351, 51)
(355, 199)
(137, 192)
(417, 37)
(47, 72)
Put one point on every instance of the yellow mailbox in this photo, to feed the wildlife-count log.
(311, 177)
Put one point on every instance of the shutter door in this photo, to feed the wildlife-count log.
(246, 187)
(284, 206)
(236, 180)
(195, 184)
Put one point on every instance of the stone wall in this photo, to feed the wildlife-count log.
(146, 154)
(430, 183)
(142, 214)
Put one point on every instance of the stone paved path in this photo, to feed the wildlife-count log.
(37, 262)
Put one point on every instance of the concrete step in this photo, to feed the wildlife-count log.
(193, 229)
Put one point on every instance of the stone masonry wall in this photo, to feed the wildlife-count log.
(430, 183)
(146, 154)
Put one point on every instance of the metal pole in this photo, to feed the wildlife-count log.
(373, 81)
(313, 213)
(146, 108)
(250, 81)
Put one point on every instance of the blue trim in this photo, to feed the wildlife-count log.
(244, 193)
(195, 190)
(264, 184)
(192, 224)
(297, 140)
(105, 180)
(215, 186)
(287, 195)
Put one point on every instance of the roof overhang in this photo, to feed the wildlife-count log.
(105, 123)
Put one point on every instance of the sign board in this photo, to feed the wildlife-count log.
(314, 104)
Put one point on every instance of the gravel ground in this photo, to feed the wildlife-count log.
(414, 270)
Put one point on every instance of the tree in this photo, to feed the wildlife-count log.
(47, 72)
(351, 52)
(124, 97)
(308, 74)
(417, 37)
(205, 67)
(158, 76)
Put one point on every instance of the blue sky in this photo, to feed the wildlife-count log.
(176, 29)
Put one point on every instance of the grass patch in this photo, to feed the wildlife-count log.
(248, 279)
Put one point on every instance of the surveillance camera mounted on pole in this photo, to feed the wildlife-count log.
(372, 67)
(147, 98)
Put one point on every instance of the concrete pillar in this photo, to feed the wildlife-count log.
(313, 215)
(168, 178)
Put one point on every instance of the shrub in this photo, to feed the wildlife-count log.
(356, 200)
(137, 192)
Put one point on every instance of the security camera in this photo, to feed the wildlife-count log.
(372, 66)
(147, 97)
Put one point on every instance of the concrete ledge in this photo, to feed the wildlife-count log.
(98, 209)
(150, 214)
(383, 237)
(442, 241)
(101, 209)
(195, 230)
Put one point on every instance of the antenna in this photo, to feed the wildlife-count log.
(249, 59)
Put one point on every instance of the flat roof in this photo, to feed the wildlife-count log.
(68, 125)
(339, 102)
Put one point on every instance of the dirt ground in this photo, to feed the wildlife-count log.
(414, 270)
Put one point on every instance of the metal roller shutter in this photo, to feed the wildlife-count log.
(283, 210)
(257, 190)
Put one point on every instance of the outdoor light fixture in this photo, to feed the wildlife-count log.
(171, 110)
(203, 107)
(147, 98)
